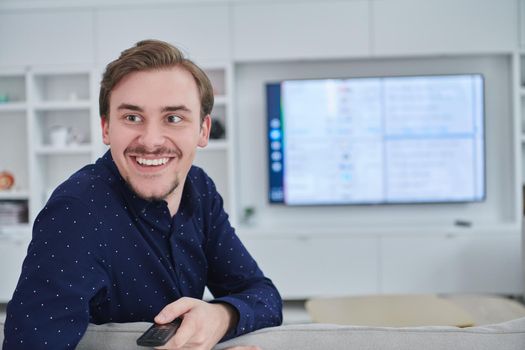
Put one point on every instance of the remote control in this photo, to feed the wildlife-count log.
(159, 334)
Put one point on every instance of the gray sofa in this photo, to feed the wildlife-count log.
(502, 336)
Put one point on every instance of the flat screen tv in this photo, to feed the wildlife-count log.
(376, 140)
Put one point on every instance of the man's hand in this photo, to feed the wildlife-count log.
(203, 324)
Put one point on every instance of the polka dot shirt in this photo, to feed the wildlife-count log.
(100, 254)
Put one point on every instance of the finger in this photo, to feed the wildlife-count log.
(174, 310)
(183, 335)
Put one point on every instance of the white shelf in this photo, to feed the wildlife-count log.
(15, 230)
(13, 107)
(62, 105)
(70, 149)
(14, 195)
(215, 145)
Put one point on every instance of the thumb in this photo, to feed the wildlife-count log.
(174, 310)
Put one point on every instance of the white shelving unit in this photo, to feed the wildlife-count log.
(36, 101)
(58, 99)
(14, 237)
(41, 99)
(217, 158)
(13, 118)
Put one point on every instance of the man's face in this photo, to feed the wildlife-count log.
(154, 128)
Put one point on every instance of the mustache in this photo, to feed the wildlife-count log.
(143, 151)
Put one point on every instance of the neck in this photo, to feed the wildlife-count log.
(174, 199)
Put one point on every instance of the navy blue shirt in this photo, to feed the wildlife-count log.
(101, 254)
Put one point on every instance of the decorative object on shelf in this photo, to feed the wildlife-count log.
(217, 130)
(4, 98)
(7, 180)
(248, 215)
(77, 137)
(13, 212)
(59, 136)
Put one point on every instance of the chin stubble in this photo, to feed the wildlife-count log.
(172, 188)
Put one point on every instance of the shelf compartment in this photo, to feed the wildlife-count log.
(14, 212)
(215, 165)
(76, 125)
(71, 87)
(63, 105)
(53, 169)
(69, 149)
(14, 195)
(215, 145)
(12, 89)
(13, 107)
(217, 77)
(218, 114)
(13, 142)
(220, 100)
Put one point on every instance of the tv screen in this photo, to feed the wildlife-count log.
(376, 140)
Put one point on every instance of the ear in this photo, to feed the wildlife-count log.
(104, 123)
(204, 135)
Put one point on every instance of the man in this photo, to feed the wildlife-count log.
(139, 234)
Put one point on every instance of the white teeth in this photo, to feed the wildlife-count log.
(152, 162)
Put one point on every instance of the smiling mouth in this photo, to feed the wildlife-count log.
(151, 162)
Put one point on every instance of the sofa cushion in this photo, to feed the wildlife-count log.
(403, 310)
(503, 336)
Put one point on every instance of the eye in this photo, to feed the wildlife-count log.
(134, 118)
(174, 119)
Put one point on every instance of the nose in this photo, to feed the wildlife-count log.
(152, 136)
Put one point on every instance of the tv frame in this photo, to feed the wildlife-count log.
(482, 199)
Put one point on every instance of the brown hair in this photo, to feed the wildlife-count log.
(150, 55)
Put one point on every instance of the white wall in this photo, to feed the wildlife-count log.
(320, 251)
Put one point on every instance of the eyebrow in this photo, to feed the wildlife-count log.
(130, 107)
(175, 109)
(136, 108)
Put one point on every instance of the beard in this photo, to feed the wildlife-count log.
(155, 197)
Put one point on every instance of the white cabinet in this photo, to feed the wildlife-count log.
(452, 264)
(201, 31)
(405, 27)
(302, 267)
(46, 37)
(300, 30)
(13, 248)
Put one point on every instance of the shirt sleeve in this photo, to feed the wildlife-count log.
(235, 278)
(62, 275)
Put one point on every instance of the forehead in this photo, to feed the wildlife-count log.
(159, 87)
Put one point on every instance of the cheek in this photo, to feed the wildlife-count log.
(185, 138)
(121, 137)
